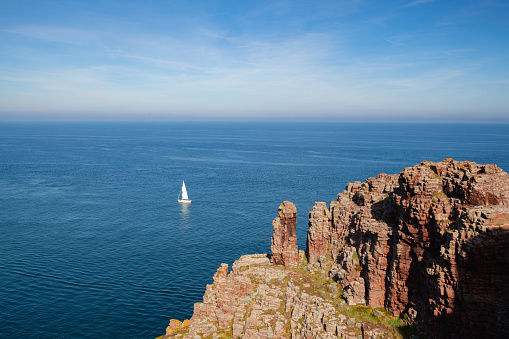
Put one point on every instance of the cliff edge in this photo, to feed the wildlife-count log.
(427, 248)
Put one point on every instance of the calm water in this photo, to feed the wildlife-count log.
(94, 244)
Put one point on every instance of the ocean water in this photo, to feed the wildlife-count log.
(93, 243)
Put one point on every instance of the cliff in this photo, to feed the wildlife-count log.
(429, 247)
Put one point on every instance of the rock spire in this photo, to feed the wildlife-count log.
(284, 240)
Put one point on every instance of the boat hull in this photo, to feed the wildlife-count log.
(185, 201)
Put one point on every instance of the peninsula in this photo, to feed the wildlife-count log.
(423, 253)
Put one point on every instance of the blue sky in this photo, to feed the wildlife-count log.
(409, 60)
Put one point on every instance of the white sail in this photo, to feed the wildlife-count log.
(184, 192)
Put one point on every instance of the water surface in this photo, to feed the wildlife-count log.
(95, 245)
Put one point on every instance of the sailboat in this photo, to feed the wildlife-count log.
(183, 192)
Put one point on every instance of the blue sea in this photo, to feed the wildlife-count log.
(93, 243)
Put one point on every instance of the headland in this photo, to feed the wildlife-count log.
(422, 253)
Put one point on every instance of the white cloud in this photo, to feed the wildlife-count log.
(213, 69)
(399, 40)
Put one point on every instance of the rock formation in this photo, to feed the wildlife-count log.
(284, 241)
(430, 245)
(318, 233)
(258, 299)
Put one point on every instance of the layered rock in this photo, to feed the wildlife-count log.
(318, 233)
(176, 327)
(431, 244)
(284, 240)
(261, 300)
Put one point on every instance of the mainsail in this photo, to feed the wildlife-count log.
(184, 192)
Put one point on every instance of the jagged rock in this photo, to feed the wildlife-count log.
(243, 304)
(355, 292)
(221, 274)
(431, 243)
(176, 326)
(284, 240)
(372, 332)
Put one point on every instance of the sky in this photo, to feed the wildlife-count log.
(355, 60)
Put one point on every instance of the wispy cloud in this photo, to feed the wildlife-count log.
(65, 35)
(418, 2)
(462, 15)
(399, 40)
(458, 51)
(265, 59)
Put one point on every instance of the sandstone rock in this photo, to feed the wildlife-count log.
(284, 240)
(221, 274)
(421, 241)
(176, 326)
(248, 260)
(355, 292)
(372, 332)
(318, 233)
(245, 305)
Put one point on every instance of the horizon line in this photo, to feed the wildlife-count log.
(312, 121)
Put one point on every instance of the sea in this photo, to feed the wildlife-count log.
(93, 243)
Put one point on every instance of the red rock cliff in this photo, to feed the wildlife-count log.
(430, 244)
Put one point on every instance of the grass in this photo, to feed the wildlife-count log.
(355, 255)
(317, 282)
(362, 314)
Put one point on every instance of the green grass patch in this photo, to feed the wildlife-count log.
(355, 255)
(395, 326)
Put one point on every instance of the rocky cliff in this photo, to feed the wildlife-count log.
(430, 246)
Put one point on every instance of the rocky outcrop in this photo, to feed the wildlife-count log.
(176, 327)
(430, 245)
(261, 300)
(284, 240)
(227, 301)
